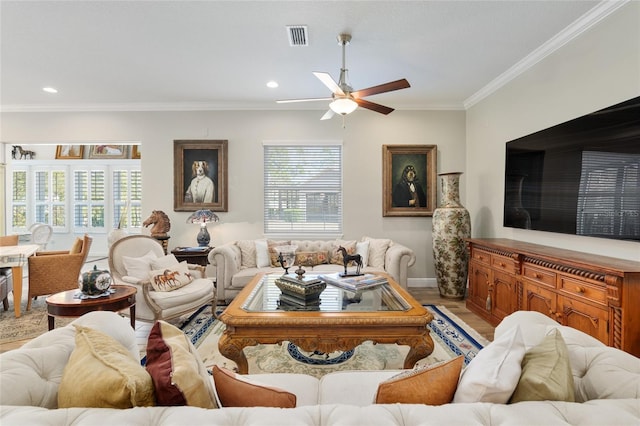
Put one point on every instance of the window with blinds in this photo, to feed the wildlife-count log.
(303, 188)
(609, 195)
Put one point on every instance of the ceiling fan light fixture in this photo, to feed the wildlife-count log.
(343, 106)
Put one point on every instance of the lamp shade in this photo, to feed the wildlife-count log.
(203, 216)
(343, 106)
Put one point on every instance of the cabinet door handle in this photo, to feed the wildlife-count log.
(502, 264)
(580, 289)
(536, 275)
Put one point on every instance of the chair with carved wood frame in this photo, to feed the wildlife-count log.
(154, 305)
(55, 271)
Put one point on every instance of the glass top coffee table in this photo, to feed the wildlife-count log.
(341, 320)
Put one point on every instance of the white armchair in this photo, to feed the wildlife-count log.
(153, 305)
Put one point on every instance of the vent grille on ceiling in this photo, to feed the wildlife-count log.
(297, 35)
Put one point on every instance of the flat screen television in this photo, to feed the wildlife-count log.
(580, 177)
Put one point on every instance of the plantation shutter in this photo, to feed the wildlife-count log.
(303, 188)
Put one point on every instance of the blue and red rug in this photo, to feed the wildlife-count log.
(451, 336)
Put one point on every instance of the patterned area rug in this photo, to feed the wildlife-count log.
(31, 323)
(450, 335)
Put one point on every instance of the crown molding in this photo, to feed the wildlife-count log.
(176, 107)
(582, 24)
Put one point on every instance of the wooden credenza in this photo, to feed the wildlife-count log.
(598, 295)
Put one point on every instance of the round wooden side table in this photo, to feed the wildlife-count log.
(64, 304)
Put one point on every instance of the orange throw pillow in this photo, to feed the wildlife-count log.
(432, 385)
(235, 392)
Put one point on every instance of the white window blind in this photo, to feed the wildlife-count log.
(608, 196)
(303, 188)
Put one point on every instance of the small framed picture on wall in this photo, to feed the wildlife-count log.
(409, 180)
(108, 151)
(69, 152)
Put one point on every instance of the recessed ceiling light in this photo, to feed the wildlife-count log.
(49, 90)
(272, 84)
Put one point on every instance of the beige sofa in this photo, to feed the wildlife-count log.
(606, 386)
(237, 262)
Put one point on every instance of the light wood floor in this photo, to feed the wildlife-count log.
(424, 295)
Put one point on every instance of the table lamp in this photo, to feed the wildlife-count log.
(202, 217)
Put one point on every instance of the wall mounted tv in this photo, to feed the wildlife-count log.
(581, 177)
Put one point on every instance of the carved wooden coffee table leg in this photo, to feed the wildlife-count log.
(232, 348)
(421, 347)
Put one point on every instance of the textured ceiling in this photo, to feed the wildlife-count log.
(162, 55)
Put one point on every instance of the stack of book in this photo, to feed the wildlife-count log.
(356, 283)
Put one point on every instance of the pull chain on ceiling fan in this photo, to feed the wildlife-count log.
(343, 99)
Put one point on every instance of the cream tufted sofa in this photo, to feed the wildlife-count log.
(606, 382)
(237, 262)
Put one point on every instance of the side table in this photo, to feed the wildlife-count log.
(193, 255)
(64, 304)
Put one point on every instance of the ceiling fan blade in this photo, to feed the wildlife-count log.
(328, 81)
(285, 101)
(373, 106)
(327, 115)
(382, 88)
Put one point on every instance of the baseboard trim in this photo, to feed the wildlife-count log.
(422, 282)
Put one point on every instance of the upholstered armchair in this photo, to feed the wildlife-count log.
(55, 271)
(131, 262)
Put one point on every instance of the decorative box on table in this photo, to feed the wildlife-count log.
(302, 290)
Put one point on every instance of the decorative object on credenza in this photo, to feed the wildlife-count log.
(451, 226)
(202, 217)
(409, 180)
(286, 256)
(23, 154)
(95, 282)
(348, 258)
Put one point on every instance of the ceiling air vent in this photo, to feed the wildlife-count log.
(297, 35)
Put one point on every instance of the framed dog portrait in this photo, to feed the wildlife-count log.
(409, 180)
(68, 152)
(200, 175)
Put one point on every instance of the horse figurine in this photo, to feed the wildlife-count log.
(161, 224)
(347, 258)
(24, 153)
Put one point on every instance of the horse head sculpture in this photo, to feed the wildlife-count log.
(161, 223)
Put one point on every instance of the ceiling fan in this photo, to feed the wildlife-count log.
(344, 100)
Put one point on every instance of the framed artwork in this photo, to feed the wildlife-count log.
(68, 152)
(409, 180)
(200, 175)
(135, 152)
(108, 151)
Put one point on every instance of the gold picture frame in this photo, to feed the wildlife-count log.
(200, 175)
(409, 180)
(106, 151)
(69, 152)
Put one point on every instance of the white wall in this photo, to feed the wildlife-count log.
(363, 137)
(599, 69)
